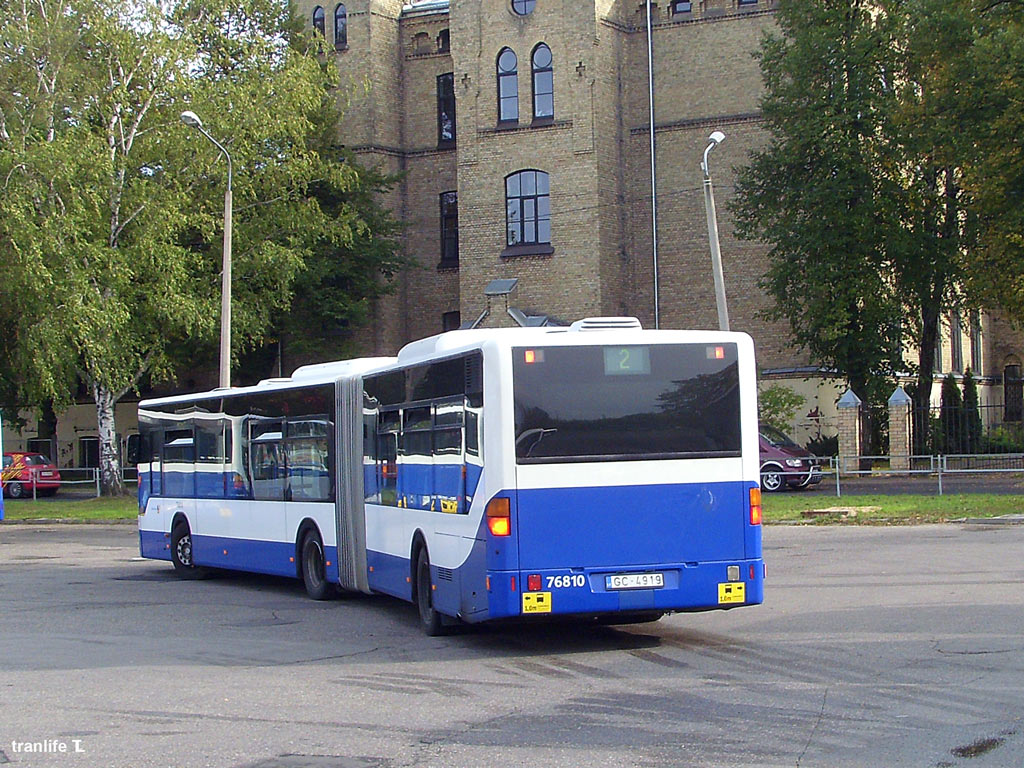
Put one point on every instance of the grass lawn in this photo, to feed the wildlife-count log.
(115, 508)
(778, 508)
(887, 510)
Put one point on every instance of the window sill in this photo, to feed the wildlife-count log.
(448, 266)
(506, 125)
(530, 249)
(539, 122)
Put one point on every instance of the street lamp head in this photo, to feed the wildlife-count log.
(191, 119)
(713, 141)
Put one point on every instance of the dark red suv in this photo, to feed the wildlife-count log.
(23, 470)
(784, 463)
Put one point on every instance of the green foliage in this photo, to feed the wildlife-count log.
(824, 446)
(891, 188)
(972, 415)
(814, 195)
(777, 404)
(1006, 438)
(112, 211)
(951, 416)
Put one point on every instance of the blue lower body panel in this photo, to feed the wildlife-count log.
(686, 587)
(275, 558)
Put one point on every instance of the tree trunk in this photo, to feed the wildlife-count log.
(111, 483)
(48, 429)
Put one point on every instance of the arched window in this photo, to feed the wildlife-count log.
(318, 20)
(543, 83)
(340, 27)
(527, 208)
(523, 7)
(508, 86)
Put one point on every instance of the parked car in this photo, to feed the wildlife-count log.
(24, 470)
(784, 463)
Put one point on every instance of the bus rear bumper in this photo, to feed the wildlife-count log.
(595, 591)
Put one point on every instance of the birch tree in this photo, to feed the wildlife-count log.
(112, 209)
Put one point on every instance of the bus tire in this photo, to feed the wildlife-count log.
(641, 617)
(314, 572)
(181, 552)
(430, 620)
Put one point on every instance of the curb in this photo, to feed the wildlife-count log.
(65, 521)
(1001, 520)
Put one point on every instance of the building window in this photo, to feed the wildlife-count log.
(976, 342)
(89, 452)
(318, 20)
(450, 321)
(527, 208)
(681, 6)
(446, 108)
(543, 83)
(746, 2)
(444, 41)
(523, 7)
(508, 86)
(340, 27)
(956, 346)
(449, 229)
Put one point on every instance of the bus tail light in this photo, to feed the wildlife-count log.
(499, 517)
(755, 506)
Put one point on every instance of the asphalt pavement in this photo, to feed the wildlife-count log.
(876, 646)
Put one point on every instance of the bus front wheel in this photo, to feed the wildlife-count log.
(313, 567)
(181, 552)
(430, 619)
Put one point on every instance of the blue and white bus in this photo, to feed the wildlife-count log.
(598, 470)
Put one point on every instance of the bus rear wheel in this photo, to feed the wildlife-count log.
(314, 574)
(430, 619)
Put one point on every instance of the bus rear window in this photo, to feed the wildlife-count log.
(608, 403)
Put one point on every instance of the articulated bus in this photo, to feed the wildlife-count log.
(598, 470)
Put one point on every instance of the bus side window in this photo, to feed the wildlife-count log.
(472, 433)
(267, 461)
(178, 468)
(387, 457)
(415, 470)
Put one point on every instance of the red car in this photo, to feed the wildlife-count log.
(784, 463)
(23, 471)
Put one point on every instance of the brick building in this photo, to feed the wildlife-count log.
(521, 128)
(522, 131)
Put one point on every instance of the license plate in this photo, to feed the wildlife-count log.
(46, 474)
(634, 581)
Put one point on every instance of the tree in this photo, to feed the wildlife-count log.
(110, 204)
(951, 416)
(814, 194)
(989, 111)
(972, 416)
(868, 192)
(776, 405)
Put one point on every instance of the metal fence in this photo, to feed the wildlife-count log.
(75, 481)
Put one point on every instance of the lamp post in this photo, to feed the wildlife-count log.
(716, 252)
(192, 120)
(654, 183)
